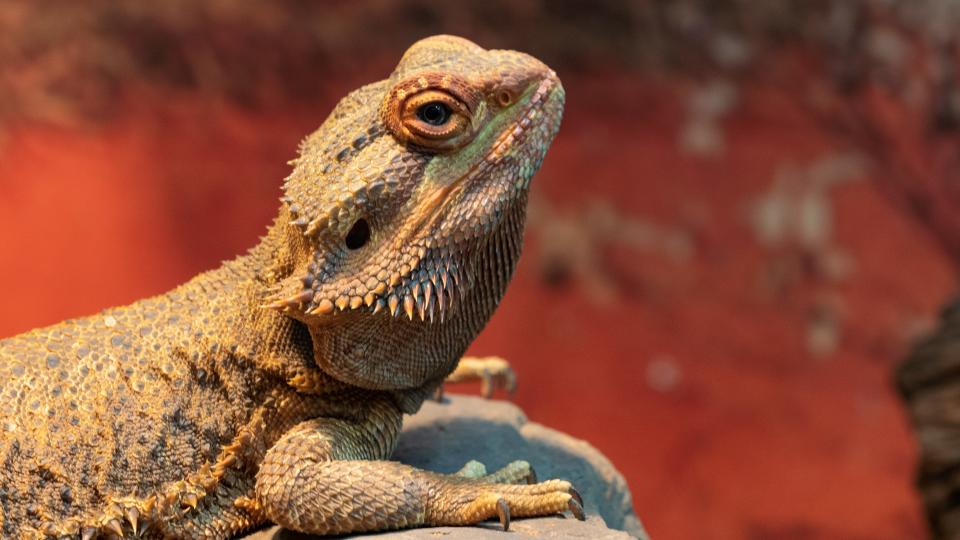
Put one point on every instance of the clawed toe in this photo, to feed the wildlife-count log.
(551, 497)
(576, 496)
(576, 508)
(503, 512)
(494, 374)
(468, 497)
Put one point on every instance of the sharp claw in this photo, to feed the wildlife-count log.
(88, 533)
(133, 516)
(503, 510)
(114, 526)
(532, 477)
(576, 508)
(191, 500)
(576, 495)
(486, 386)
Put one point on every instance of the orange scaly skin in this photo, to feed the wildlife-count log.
(273, 388)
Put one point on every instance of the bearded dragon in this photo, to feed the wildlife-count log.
(273, 388)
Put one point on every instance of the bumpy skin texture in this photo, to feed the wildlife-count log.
(273, 388)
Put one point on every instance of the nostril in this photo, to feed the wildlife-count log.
(504, 98)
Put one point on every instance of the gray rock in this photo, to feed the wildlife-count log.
(556, 528)
(444, 436)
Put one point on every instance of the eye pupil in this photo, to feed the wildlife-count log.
(358, 235)
(434, 113)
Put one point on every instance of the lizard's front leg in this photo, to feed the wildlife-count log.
(493, 372)
(329, 476)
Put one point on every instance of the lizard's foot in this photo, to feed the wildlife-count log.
(493, 373)
(382, 495)
(132, 517)
(122, 518)
(467, 501)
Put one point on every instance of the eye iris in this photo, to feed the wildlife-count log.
(358, 235)
(434, 113)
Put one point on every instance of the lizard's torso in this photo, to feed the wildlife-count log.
(129, 402)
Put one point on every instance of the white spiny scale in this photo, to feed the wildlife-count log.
(416, 290)
(316, 225)
(441, 301)
(445, 276)
(431, 303)
(422, 308)
(428, 297)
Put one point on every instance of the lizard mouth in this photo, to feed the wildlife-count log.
(433, 208)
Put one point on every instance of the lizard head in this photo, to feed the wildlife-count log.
(409, 205)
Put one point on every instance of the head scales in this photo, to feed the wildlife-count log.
(434, 214)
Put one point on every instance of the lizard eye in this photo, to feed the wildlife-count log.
(434, 119)
(358, 235)
(435, 113)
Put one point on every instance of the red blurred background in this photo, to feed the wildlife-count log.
(748, 215)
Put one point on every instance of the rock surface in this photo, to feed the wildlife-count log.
(444, 436)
